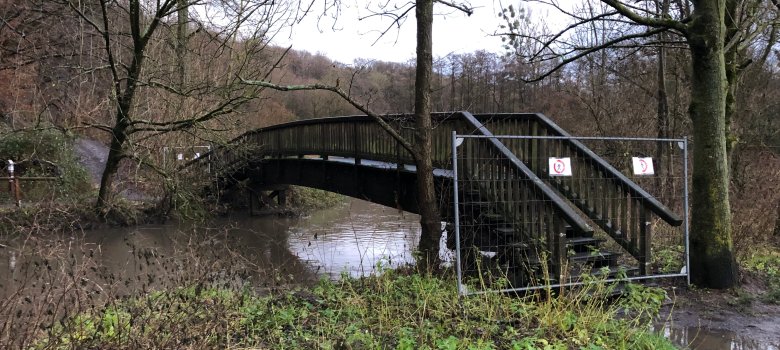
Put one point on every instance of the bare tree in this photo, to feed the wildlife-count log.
(421, 147)
(712, 31)
(158, 88)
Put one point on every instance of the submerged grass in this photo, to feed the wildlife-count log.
(391, 311)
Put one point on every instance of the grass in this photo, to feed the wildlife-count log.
(765, 263)
(391, 311)
(307, 199)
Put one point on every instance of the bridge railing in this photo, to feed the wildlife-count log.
(623, 213)
(357, 137)
(615, 203)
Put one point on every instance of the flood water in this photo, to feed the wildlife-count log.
(356, 238)
(699, 338)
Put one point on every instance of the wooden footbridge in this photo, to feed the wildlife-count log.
(511, 214)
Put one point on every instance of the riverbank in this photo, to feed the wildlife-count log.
(747, 317)
(73, 290)
(47, 217)
(396, 310)
(272, 255)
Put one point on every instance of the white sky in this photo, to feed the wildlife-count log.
(453, 32)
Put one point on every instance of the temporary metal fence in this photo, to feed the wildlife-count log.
(535, 212)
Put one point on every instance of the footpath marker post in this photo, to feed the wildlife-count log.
(13, 184)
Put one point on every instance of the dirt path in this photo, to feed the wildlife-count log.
(92, 155)
(754, 322)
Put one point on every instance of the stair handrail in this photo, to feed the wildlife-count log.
(560, 206)
(635, 190)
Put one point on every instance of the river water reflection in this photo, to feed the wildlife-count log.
(698, 338)
(355, 238)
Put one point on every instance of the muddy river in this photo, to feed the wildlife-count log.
(356, 238)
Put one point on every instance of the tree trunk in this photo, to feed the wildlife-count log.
(105, 193)
(430, 221)
(182, 16)
(662, 111)
(712, 259)
(776, 233)
(124, 109)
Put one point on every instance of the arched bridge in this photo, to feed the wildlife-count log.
(510, 213)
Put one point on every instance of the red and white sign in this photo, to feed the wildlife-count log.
(560, 166)
(643, 165)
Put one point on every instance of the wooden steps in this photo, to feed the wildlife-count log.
(490, 243)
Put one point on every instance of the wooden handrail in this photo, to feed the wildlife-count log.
(632, 188)
(561, 207)
(599, 164)
(647, 199)
(616, 176)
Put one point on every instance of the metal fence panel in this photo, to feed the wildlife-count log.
(508, 232)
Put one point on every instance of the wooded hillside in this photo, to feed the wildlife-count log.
(56, 72)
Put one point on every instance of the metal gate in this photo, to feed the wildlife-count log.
(534, 212)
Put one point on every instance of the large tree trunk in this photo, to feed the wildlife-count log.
(712, 259)
(429, 211)
(118, 138)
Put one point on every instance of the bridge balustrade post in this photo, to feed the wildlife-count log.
(356, 142)
(13, 184)
(281, 197)
(398, 162)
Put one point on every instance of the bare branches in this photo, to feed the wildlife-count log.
(555, 37)
(463, 7)
(594, 27)
(397, 19)
(109, 53)
(662, 22)
(603, 46)
(398, 13)
(347, 97)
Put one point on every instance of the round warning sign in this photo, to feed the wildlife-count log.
(560, 166)
(643, 165)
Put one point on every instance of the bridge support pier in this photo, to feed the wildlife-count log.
(267, 200)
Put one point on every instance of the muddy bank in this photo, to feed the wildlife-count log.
(711, 319)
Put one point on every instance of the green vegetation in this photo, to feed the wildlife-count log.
(765, 263)
(669, 259)
(392, 311)
(305, 198)
(49, 153)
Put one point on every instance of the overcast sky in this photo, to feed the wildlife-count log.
(454, 32)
